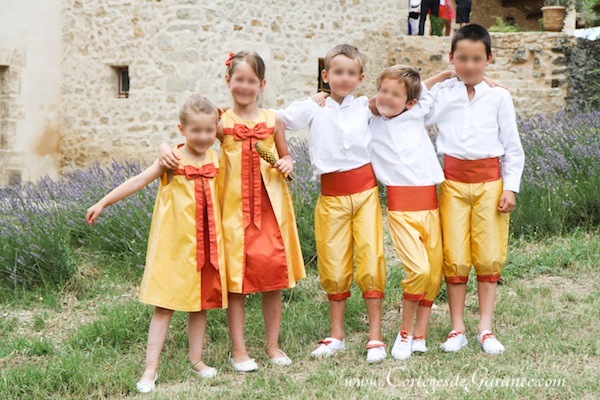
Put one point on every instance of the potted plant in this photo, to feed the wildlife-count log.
(554, 14)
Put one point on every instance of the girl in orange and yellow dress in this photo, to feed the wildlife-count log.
(262, 248)
(185, 263)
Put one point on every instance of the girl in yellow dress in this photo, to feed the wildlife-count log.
(262, 248)
(185, 264)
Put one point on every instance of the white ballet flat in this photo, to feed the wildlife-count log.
(244, 366)
(206, 372)
(147, 387)
(281, 361)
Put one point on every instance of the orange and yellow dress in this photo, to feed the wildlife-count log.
(185, 263)
(262, 248)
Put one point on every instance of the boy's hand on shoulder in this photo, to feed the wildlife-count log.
(373, 105)
(167, 158)
(493, 83)
(508, 202)
(320, 98)
(439, 78)
(285, 165)
(449, 74)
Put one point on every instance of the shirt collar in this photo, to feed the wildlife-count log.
(345, 103)
(482, 87)
(479, 88)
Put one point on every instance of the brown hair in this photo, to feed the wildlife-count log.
(197, 104)
(345, 50)
(249, 57)
(408, 75)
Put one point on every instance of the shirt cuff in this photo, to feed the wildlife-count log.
(511, 184)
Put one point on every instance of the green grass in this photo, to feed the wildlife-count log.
(87, 340)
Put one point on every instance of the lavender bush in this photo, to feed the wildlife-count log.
(561, 180)
(305, 191)
(42, 223)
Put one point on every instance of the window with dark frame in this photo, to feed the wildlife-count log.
(323, 87)
(122, 81)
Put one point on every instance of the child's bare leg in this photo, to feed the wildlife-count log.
(374, 314)
(157, 334)
(196, 334)
(448, 26)
(423, 315)
(409, 311)
(235, 318)
(271, 307)
(487, 298)
(457, 293)
(337, 308)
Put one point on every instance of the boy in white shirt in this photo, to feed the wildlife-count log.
(477, 130)
(348, 220)
(405, 161)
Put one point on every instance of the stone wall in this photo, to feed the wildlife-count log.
(176, 47)
(59, 60)
(30, 72)
(11, 161)
(532, 65)
(484, 11)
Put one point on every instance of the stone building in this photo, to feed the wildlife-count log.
(523, 13)
(84, 81)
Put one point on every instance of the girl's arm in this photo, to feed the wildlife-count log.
(167, 157)
(124, 190)
(220, 132)
(285, 164)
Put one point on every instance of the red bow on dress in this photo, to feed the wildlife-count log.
(251, 178)
(204, 199)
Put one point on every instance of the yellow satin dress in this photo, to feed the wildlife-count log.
(262, 248)
(185, 263)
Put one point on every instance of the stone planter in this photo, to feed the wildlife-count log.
(554, 18)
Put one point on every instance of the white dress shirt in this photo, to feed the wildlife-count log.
(484, 127)
(338, 138)
(402, 152)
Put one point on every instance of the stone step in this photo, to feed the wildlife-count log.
(501, 74)
(538, 93)
(514, 84)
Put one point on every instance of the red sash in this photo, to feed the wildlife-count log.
(472, 171)
(348, 182)
(411, 198)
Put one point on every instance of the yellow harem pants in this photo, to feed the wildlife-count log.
(417, 237)
(475, 233)
(346, 228)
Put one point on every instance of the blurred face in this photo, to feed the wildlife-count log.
(343, 75)
(200, 131)
(392, 99)
(244, 84)
(470, 60)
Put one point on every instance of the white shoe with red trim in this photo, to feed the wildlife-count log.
(489, 343)
(419, 345)
(456, 340)
(328, 346)
(402, 346)
(376, 351)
